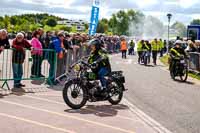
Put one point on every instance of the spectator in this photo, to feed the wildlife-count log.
(124, 48)
(57, 45)
(42, 40)
(18, 57)
(76, 46)
(37, 55)
(4, 42)
(47, 42)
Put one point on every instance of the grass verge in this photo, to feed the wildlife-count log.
(164, 60)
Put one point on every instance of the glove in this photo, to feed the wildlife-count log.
(94, 65)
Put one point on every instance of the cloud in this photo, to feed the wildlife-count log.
(182, 10)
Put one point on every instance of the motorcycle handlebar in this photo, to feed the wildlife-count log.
(84, 63)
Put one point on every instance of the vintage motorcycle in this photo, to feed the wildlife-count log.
(180, 68)
(85, 86)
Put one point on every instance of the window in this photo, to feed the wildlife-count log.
(193, 33)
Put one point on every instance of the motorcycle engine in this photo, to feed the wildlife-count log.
(95, 87)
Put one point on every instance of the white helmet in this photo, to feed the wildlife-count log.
(178, 42)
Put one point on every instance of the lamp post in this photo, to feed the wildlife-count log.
(169, 16)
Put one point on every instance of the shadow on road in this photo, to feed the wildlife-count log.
(38, 82)
(100, 110)
(187, 82)
(1, 95)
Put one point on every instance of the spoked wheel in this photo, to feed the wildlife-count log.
(117, 93)
(74, 95)
(184, 75)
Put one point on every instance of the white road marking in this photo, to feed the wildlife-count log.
(147, 119)
(141, 115)
(60, 103)
(36, 123)
(68, 116)
(127, 62)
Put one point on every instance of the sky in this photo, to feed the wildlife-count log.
(182, 10)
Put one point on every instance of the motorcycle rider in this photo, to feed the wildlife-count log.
(175, 53)
(99, 61)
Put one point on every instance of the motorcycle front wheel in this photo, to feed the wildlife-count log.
(74, 94)
(172, 75)
(184, 75)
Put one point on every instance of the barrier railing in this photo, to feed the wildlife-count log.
(70, 57)
(37, 64)
(26, 65)
(194, 61)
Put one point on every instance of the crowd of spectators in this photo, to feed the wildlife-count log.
(42, 46)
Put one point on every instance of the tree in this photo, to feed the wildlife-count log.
(113, 24)
(102, 26)
(13, 20)
(65, 28)
(74, 29)
(180, 28)
(126, 23)
(51, 22)
(25, 26)
(86, 26)
(195, 22)
(1, 18)
(34, 27)
(6, 22)
(122, 23)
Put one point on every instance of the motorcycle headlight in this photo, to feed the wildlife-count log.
(77, 68)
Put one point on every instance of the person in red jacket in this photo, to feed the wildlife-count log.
(18, 57)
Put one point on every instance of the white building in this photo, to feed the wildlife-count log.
(80, 24)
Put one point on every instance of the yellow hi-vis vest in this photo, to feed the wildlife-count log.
(139, 46)
(155, 46)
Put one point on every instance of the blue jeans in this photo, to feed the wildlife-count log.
(101, 74)
(17, 73)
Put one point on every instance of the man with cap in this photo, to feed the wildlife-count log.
(18, 56)
(56, 44)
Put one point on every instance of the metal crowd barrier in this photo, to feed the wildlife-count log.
(69, 58)
(194, 62)
(33, 67)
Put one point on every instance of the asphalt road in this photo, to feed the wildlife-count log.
(153, 104)
(173, 104)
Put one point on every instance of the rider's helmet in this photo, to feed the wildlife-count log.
(95, 42)
(178, 42)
